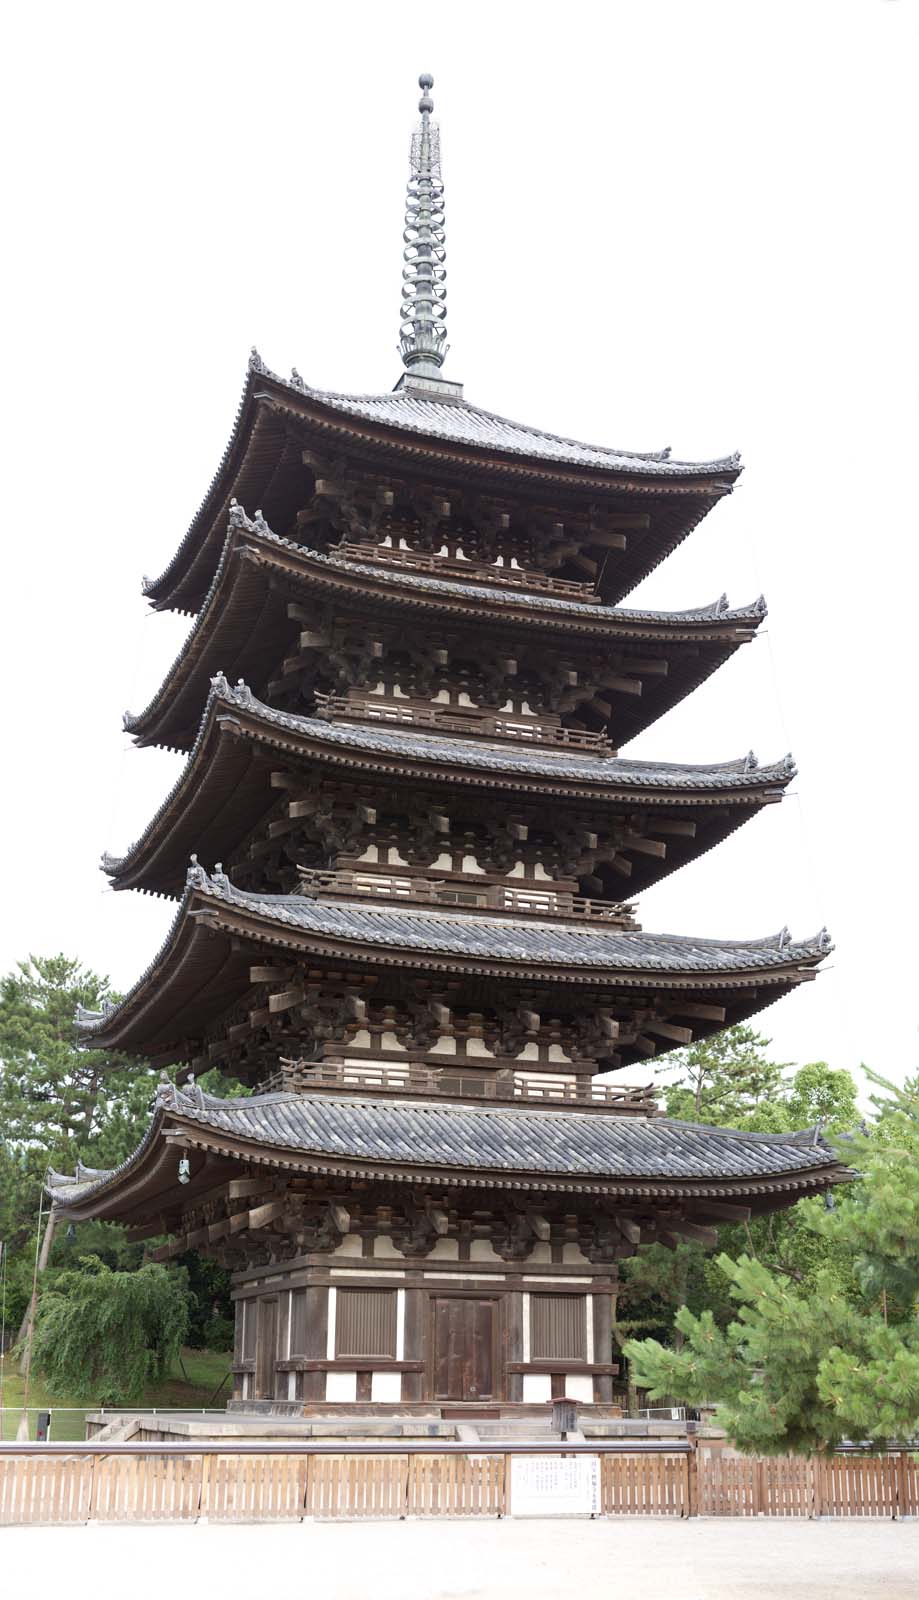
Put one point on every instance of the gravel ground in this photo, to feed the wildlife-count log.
(510, 1560)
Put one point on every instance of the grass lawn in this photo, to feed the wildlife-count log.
(204, 1370)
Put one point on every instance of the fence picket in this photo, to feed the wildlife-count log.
(273, 1484)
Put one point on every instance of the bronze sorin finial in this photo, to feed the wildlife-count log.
(424, 287)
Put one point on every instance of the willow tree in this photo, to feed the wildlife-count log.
(103, 1336)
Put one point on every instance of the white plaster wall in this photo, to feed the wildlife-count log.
(483, 1250)
(541, 1254)
(386, 1386)
(445, 1250)
(445, 1046)
(291, 1386)
(350, 1245)
(579, 1386)
(384, 1248)
(573, 1252)
(537, 1386)
(330, 1325)
(478, 1047)
(341, 1386)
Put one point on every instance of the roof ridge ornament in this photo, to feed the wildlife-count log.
(423, 332)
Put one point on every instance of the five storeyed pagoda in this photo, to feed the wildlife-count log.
(402, 699)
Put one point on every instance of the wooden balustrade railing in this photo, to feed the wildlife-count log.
(452, 719)
(543, 902)
(295, 1480)
(458, 1084)
(471, 571)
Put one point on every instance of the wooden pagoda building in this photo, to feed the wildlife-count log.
(402, 700)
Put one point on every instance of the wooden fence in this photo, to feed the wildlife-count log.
(276, 1482)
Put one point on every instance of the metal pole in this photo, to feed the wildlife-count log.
(23, 1429)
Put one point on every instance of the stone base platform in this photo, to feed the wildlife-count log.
(470, 1423)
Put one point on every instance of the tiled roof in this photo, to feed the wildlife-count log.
(402, 577)
(743, 783)
(529, 761)
(473, 936)
(716, 613)
(576, 1145)
(458, 422)
(548, 943)
(414, 418)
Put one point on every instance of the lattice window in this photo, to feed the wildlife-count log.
(558, 1327)
(365, 1322)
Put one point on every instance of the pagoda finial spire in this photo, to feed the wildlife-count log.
(424, 290)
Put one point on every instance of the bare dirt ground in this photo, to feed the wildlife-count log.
(632, 1558)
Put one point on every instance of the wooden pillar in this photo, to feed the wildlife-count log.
(266, 1347)
(315, 1342)
(513, 1310)
(603, 1346)
(413, 1383)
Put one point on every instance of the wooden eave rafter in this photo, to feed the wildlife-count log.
(246, 631)
(275, 408)
(225, 791)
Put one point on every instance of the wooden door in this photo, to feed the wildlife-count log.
(464, 1348)
(266, 1349)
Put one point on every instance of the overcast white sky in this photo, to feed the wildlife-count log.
(682, 223)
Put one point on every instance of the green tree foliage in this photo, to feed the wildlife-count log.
(805, 1365)
(730, 1081)
(56, 1100)
(60, 1104)
(725, 1080)
(103, 1336)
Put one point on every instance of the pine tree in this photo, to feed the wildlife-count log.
(724, 1079)
(56, 1098)
(805, 1367)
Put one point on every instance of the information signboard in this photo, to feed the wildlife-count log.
(555, 1486)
